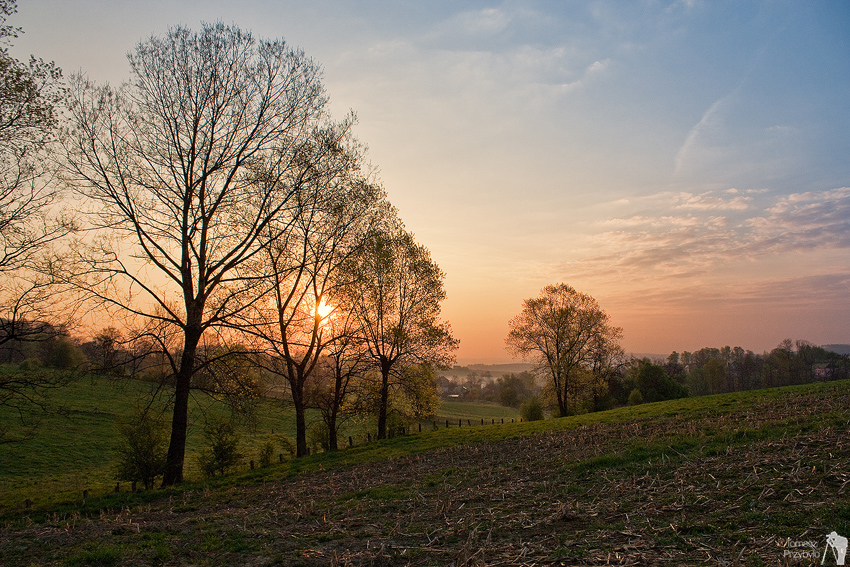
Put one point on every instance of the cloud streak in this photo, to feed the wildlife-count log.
(697, 234)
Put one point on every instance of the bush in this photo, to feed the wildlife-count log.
(63, 354)
(142, 451)
(288, 446)
(318, 437)
(531, 409)
(266, 453)
(635, 398)
(221, 452)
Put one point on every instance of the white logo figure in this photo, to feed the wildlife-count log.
(838, 545)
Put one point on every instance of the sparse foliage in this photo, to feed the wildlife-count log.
(185, 168)
(396, 290)
(303, 261)
(29, 96)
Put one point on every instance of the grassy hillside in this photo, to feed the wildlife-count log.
(75, 449)
(721, 480)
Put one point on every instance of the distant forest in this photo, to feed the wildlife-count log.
(650, 379)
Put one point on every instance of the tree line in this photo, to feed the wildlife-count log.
(228, 230)
(577, 353)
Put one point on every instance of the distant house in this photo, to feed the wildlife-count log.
(825, 370)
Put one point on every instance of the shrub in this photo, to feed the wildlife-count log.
(221, 452)
(635, 398)
(288, 446)
(318, 437)
(30, 364)
(266, 453)
(142, 451)
(531, 409)
(63, 354)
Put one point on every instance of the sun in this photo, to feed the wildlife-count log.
(323, 309)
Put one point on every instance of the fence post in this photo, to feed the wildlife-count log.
(280, 456)
(447, 424)
(350, 442)
(460, 423)
(482, 421)
(420, 427)
(252, 464)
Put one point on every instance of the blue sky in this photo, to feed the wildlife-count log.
(687, 163)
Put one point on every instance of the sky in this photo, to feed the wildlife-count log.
(685, 162)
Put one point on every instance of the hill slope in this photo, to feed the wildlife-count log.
(720, 480)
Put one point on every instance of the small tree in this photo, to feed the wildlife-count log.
(221, 452)
(531, 409)
(396, 290)
(142, 451)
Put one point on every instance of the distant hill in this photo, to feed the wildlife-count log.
(839, 349)
(499, 369)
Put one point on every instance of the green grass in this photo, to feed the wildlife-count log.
(729, 474)
(474, 411)
(74, 450)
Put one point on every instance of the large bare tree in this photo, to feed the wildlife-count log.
(568, 335)
(396, 290)
(186, 167)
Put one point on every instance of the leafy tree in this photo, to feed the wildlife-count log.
(142, 451)
(569, 337)
(337, 390)
(185, 168)
(395, 290)
(653, 383)
(514, 389)
(221, 451)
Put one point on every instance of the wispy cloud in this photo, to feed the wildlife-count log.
(711, 121)
(689, 239)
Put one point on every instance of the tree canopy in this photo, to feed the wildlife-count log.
(185, 169)
(568, 336)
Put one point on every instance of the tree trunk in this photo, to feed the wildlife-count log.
(382, 410)
(300, 423)
(333, 441)
(180, 420)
